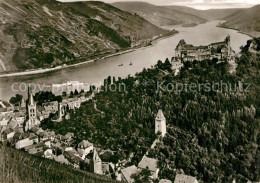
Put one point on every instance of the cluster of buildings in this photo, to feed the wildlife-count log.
(151, 164)
(24, 117)
(6, 106)
(22, 131)
(219, 50)
(69, 86)
(53, 107)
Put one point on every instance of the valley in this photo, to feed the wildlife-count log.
(245, 20)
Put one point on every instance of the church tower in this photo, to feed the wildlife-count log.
(32, 112)
(97, 163)
(160, 123)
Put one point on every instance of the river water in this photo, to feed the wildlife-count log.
(96, 72)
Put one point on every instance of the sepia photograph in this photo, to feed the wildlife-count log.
(130, 91)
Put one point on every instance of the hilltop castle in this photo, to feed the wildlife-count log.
(218, 50)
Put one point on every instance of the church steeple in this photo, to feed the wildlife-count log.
(31, 101)
(31, 111)
(160, 123)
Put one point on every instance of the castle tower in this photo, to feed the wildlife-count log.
(32, 112)
(97, 163)
(160, 123)
(23, 104)
(61, 112)
(179, 48)
(227, 40)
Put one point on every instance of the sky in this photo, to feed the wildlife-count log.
(197, 4)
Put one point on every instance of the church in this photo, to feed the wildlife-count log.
(32, 119)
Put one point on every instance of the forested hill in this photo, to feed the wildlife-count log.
(47, 33)
(21, 167)
(211, 134)
(159, 15)
(245, 20)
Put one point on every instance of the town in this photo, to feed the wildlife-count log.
(20, 129)
(20, 126)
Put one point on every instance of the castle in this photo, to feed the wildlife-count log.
(219, 50)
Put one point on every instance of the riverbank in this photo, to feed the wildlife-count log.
(41, 71)
(240, 31)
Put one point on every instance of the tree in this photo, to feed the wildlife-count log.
(143, 176)
(17, 99)
(64, 94)
(76, 92)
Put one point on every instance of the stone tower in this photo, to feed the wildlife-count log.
(227, 40)
(23, 104)
(97, 163)
(160, 123)
(32, 112)
(61, 112)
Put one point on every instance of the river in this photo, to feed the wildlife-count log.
(96, 72)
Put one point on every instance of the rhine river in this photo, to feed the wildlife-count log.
(96, 72)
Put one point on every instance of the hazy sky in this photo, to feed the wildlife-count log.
(198, 4)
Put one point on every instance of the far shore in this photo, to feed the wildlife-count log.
(40, 71)
(240, 31)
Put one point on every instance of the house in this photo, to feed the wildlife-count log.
(34, 129)
(34, 137)
(12, 123)
(151, 164)
(128, 172)
(7, 134)
(165, 181)
(48, 153)
(4, 121)
(39, 131)
(18, 136)
(45, 135)
(60, 137)
(20, 118)
(72, 103)
(51, 107)
(108, 168)
(84, 148)
(61, 159)
(36, 148)
(181, 178)
(47, 143)
(6, 106)
(23, 143)
(73, 158)
(70, 149)
(68, 138)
